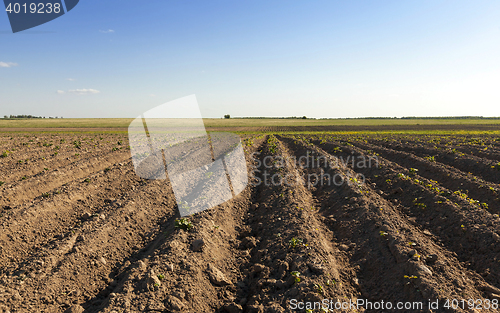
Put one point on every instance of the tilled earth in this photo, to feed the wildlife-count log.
(340, 217)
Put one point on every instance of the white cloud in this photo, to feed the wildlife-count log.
(60, 92)
(7, 64)
(71, 79)
(83, 91)
(109, 31)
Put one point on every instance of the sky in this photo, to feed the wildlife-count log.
(119, 58)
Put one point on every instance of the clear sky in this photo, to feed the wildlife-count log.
(119, 58)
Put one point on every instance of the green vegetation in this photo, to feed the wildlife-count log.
(431, 158)
(297, 276)
(295, 242)
(183, 223)
(318, 288)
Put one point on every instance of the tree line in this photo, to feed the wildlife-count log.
(26, 116)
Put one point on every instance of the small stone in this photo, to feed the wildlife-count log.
(216, 276)
(102, 217)
(75, 309)
(428, 233)
(343, 247)
(152, 281)
(169, 267)
(102, 260)
(141, 265)
(198, 245)
(86, 216)
(423, 270)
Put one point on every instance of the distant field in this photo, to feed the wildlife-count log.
(236, 122)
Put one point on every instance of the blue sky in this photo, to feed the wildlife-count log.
(119, 58)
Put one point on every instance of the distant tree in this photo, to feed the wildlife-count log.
(304, 117)
(227, 116)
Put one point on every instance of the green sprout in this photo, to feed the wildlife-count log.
(294, 242)
(183, 223)
(297, 276)
(319, 288)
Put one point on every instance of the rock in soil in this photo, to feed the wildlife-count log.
(75, 309)
(198, 245)
(174, 304)
(216, 276)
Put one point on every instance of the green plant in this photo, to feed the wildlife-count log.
(297, 276)
(413, 171)
(319, 288)
(45, 194)
(5, 154)
(183, 223)
(383, 233)
(161, 276)
(431, 158)
(1, 183)
(294, 242)
(87, 180)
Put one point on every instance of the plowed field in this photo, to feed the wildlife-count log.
(403, 219)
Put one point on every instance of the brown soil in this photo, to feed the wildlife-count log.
(81, 232)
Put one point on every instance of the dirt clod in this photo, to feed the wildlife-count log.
(216, 276)
(151, 281)
(198, 245)
(75, 309)
(174, 303)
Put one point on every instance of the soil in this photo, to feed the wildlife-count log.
(81, 232)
